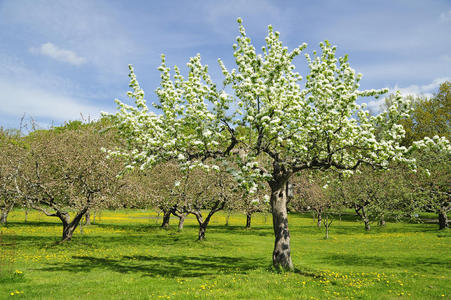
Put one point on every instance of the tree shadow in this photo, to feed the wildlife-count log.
(241, 230)
(34, 223)
(153, 266)
(381, 262)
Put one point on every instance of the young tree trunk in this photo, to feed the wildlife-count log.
(326, 224)
(4, 217)
(382, 221)
(442, 219)
(367, 224)
(281, 257)
(166, 218)
(319, 219)
(88, 218)
(26, 214)
(248, 220)
(228, 217)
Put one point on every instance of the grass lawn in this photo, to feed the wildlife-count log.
(125, 255)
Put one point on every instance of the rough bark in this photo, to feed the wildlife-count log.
(360, 211)
(166, 218)
(4, 214)
(70, 226)
(4, 217)
(202, 230)
(219, 205)
(181, 222)
(442, 220)
(181, 215)
(248, 220)
(367, 224)
(88, 218)
(282, 253)
(202, 225)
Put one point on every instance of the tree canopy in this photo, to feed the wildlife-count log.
(288, 127)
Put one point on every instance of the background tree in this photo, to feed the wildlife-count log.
(66, 171)
(289, 128)
(375, 195)
(429, 116)
(310, 195)
(214, 191)
(12, 151)
(432, 182)
(253, 203)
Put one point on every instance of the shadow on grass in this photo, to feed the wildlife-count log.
(153, 266)
(381, 262)
(34, 223)
(241, 230)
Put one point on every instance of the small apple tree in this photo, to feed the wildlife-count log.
(269, 127)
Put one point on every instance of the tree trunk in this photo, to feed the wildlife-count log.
(166, 219)
(26, 215)
(68, 231)
(219, 205)
(319, 219)
(181, 221)
(442, 219)
(281, 257)
(88, 218)
(70, 226)
(248, 220)
(228, 217)
(382, 221)
(202, 230)
(4, 214)
(202, 225)
(367, 224)
(360, 211)
(4, 217)
(326, 224)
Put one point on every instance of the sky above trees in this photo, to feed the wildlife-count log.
(60, 59)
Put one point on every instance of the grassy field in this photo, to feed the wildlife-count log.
(125, 255)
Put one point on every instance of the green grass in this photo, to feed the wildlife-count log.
(125, 255)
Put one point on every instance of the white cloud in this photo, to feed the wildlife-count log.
(94, 31)
(39, 103)
(376, 106)
(445, 17)
(64, 55)
(426, 90)
(42, 96)
(422, 90)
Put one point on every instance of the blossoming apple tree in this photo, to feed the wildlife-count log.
(264, 125)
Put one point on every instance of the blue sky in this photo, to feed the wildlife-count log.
(63, 59)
